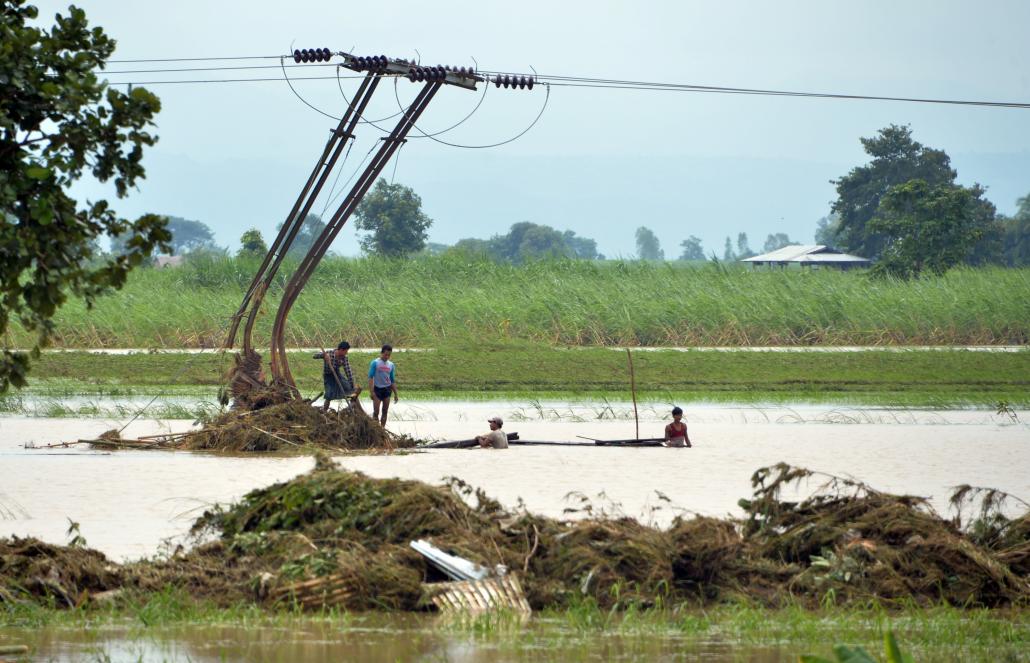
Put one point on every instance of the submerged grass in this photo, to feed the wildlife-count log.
(580, 303)
(951, 633)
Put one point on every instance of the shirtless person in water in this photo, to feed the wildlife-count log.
(676, 432)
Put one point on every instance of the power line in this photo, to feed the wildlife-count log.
(177, 70)
(208, 59)
(556, 80)
(231, 80)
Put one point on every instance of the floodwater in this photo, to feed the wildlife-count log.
(130, 503)
(379, 638)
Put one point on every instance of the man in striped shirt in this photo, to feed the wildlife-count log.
(337, 379)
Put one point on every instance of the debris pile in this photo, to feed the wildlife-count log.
(292, 425)
(60, 576)
(337, 538)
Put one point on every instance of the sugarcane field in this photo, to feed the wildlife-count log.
(422, 375)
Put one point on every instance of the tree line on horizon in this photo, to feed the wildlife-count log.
(903, 210)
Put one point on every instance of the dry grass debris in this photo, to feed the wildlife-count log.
(337, 538)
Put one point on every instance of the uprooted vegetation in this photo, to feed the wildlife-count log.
(846, 542)
(291, 425)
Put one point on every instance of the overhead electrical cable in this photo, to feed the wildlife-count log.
(556, 80)
(547, 97)
(286, 77)
(185, 69)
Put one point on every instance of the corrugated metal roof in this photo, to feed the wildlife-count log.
(787, 253)
(806, 253)
(830, 257)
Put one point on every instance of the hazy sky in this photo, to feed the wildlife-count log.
(600, 162)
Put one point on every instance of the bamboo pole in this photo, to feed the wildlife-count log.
(633, 390)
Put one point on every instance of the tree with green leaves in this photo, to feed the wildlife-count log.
(59, 123)
(727, 252)
(929, 227)
(692, 249)
(581, 247)
(392, 217)
(743, 250)
(530, 241)
(310, 229)
(826, 230)
(1015, 235)
(648, 246)
(776, 241)
(896, 159)
(252, 245)
(190, 235)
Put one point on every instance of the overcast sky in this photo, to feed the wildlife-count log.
(599, 162)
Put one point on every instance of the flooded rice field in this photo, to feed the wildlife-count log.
(130, 503)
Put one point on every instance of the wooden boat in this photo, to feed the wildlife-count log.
(513, 440)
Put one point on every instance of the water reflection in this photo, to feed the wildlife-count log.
(373, 639)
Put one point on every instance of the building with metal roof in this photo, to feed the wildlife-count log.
(808, 255)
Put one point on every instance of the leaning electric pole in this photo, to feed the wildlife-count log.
(248, 384)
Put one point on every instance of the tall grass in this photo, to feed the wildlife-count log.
(439, 300)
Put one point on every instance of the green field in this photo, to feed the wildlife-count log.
(939, 378)
(427, 302)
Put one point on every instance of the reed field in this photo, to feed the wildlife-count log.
(434, 300)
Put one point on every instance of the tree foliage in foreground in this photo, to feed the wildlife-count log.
(391, 216)
(58, 123)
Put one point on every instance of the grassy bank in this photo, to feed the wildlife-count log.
(524, 372)
(430, 301)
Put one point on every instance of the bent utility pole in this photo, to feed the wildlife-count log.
(247, 382)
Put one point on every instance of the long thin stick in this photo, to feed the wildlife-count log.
(633, 390)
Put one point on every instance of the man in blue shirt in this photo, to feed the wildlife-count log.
(382, 382)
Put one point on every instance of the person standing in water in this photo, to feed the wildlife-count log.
(676, 432)
(337, 379)
(382, 382)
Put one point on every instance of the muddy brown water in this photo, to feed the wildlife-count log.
(375, 639)
(127, 503)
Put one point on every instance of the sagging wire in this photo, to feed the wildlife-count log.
(432, 137)
(282, 63)
(457, 124)
(339, 84)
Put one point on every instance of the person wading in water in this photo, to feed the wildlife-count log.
(676, 432)
(337, 379)
(382, 381)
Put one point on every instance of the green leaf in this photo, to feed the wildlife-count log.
(808, 658)
(894, 655)
(857, 655)
(37, 172)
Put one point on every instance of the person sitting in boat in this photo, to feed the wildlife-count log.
(337, 379)
(496, 438)
(676, 432)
